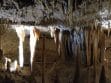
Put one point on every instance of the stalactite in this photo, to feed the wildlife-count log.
(34, 36)
(95, 51)
(21, 35)
(57, 35)
(102, 50)
(109, 29)
(21, 53)
(87, 43)
(91, 47)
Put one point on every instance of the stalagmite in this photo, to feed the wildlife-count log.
(13, 66)
(21, 35)
(6, 62)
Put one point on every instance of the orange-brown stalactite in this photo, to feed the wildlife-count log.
(34, 36)
(36, 33)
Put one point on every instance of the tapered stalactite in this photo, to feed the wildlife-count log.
(21, 60)
(95, 54)
(32, 47)
(87, 45)
(21, 36)
(87, 41)
(34, 36)
(102, 48)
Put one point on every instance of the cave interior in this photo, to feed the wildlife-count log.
(55, 41)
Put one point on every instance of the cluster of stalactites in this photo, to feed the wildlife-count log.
(34, 36)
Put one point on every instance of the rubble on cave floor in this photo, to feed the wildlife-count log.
(22, 76)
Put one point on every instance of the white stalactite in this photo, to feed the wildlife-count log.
(54, 35)
(21, 34)
(21, 60)
(33, 40)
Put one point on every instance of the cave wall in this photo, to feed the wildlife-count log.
(56, 70)
(9, 43)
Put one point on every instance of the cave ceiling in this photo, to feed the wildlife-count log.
(48, 11)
